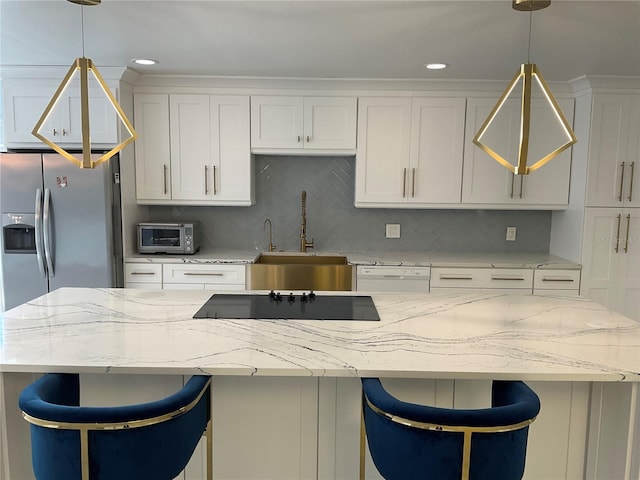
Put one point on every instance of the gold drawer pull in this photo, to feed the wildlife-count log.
(499, 277)
(203, 274)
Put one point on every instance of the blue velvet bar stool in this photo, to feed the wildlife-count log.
(147, 441)
(409, 441)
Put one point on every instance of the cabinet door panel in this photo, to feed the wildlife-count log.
(231, 157)
(548, 185)
(612, 143)
(485, 180)
(600, 259)
(190, 147)
(22, 108)
(330, 122)
(152, 150)
(382, 159)
(436, 152)
(629, 258)
(103, 121)
(276, 122)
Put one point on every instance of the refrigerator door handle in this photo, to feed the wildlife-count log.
(38, 227)
(46, 223)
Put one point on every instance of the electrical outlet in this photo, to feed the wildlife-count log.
(511, 234)
(393, 230)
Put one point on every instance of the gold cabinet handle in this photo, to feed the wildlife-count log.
(165, 179)
(206, 180)
(456, 277)
(203, 274)
(404, 183)
(631, 181)
(621, 181)
(506, 277)
(215, 181)
(513, 179)
(618, 235)
(413, 183)
(626, 240)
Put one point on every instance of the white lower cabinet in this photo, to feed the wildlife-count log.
(146, 276)
(558, 282)
(507, 279)
(611, 259)
(203, 276)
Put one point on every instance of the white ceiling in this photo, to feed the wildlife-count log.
(317, 38)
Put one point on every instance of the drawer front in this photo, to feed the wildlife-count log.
(556, 280)
(502, 278)
(143, 273)
(143, 285)
(201, 274)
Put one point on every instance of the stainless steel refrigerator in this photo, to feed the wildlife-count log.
(61, 225)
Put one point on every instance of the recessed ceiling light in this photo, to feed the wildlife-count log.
(436, 66)
(145, 61)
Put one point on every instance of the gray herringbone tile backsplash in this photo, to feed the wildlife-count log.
(335, 224)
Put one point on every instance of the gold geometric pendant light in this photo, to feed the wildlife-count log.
(526, 75)
(85, 66)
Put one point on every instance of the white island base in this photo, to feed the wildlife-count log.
(286, 394)
(278, 428)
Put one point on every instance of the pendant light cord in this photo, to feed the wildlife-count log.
(529, 46)
(82, 27)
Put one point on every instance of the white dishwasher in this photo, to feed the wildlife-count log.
(384, 278)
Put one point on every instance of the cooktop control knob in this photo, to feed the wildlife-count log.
(291, 298)
(312, 296)
(304, 297)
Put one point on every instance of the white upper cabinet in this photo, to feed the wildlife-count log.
(307, 125)
(24, 104)
(437, 135)
(409, 151)
(152, 152)
(487, 183)
(384, 143)
(614, 151)
(195, 149)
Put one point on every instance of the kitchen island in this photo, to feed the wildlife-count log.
(583, 360)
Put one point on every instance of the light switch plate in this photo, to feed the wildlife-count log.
(393, 230)
(511, 234)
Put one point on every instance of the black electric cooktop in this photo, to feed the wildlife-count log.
(275, 306)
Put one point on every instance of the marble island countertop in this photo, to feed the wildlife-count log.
(461, 335)
(433, 259)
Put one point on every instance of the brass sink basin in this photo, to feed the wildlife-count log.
(300, 271)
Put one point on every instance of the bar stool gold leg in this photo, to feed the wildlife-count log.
(209, 450)
(362, 444)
